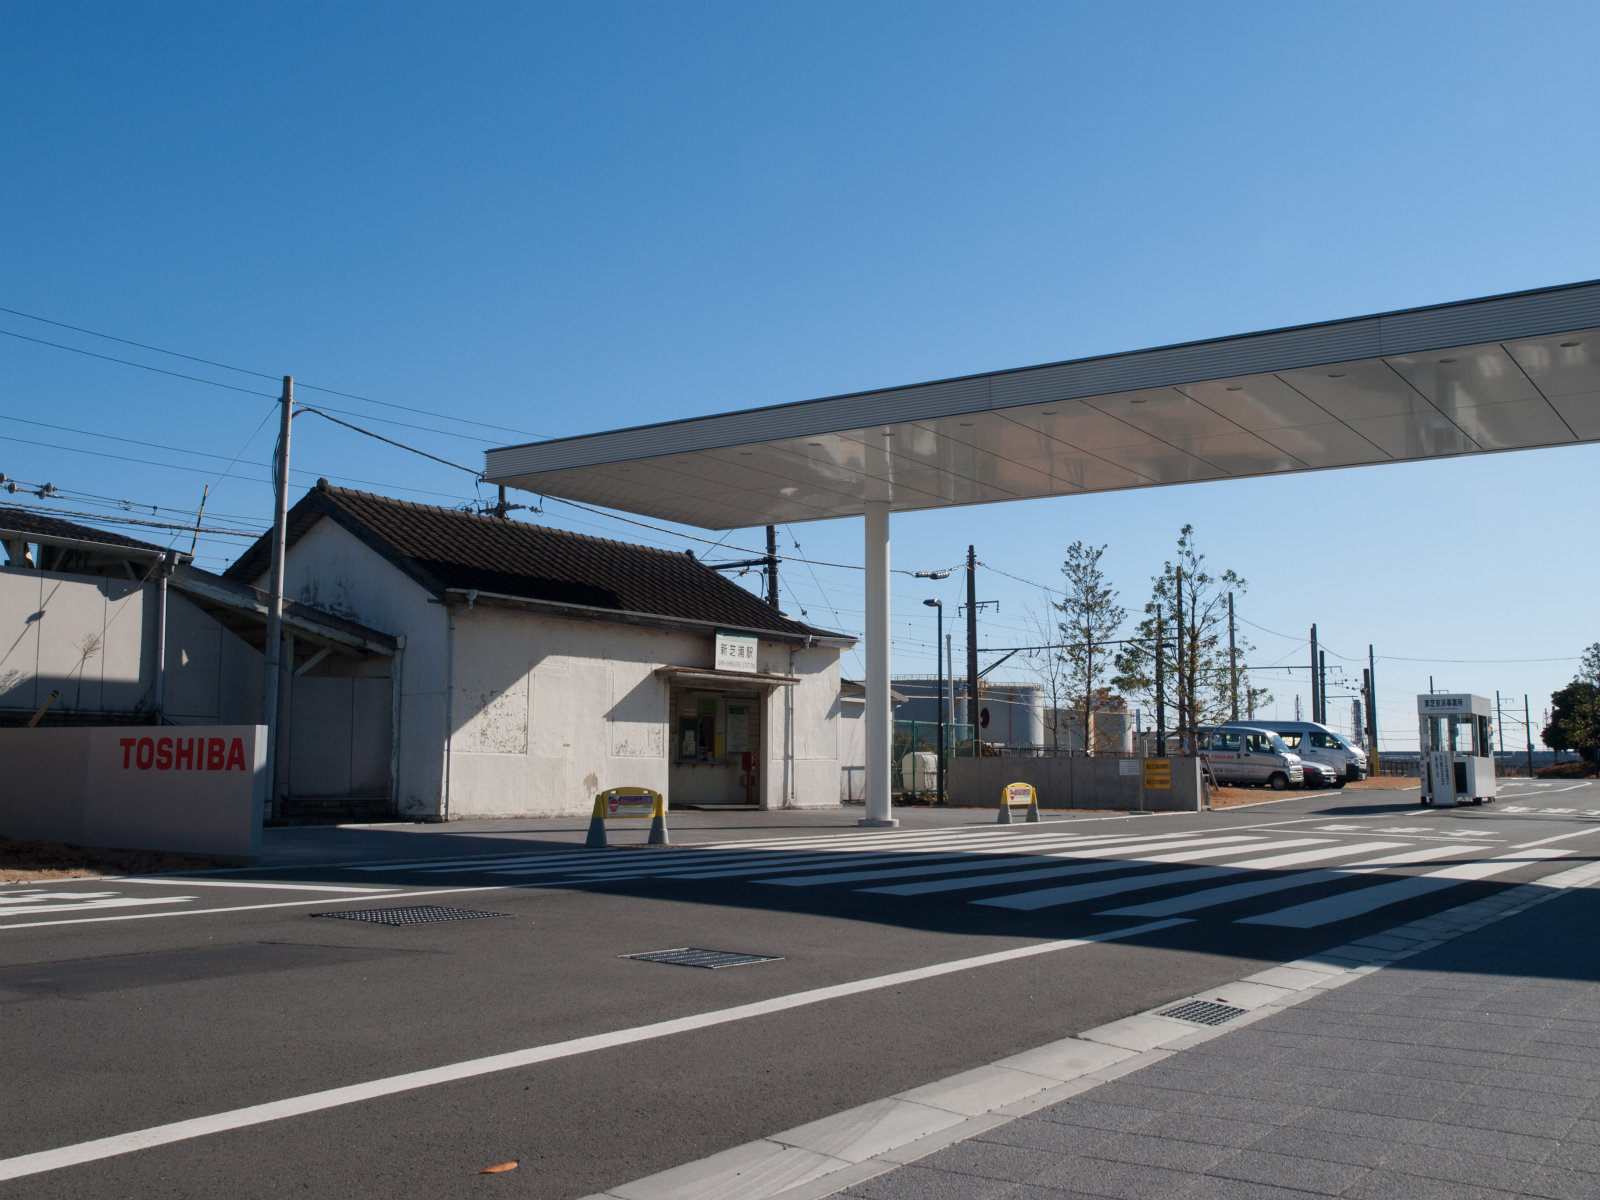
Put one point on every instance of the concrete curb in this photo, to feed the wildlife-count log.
(823, 1157)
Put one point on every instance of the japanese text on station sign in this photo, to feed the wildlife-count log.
(736, 652)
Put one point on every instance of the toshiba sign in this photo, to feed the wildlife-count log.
(197, 789)
(182, 754)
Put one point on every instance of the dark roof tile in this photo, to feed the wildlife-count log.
(443, 548)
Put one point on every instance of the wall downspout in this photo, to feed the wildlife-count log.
(161, 641)
(788, 737)
(450, 694)
(396, 664)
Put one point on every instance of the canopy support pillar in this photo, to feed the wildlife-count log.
(879, 716)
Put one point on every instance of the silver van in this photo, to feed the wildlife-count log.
(1317, 743)
(1247, 754)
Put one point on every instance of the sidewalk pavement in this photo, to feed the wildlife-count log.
(1469, 1071)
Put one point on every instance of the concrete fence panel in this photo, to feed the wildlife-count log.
(1074, 782)
(196, 789)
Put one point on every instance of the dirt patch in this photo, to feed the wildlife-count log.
(1233, 797)
(26, 862)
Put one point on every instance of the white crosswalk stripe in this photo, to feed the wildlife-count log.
(1368, 899)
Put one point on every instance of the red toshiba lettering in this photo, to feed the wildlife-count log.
(215, 750)
(127, 751)
(236, 755)
(184, 759)
(163, 754)
(144, 754)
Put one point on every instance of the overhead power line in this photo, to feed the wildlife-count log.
(45, 508)
(257, 374)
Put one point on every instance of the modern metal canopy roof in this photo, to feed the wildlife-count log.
(1501, 373)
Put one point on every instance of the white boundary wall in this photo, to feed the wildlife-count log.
(195, 789)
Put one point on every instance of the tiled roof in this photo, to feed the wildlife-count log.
(442, 549)
(32, 526)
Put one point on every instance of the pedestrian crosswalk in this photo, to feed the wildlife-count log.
(1298, 879)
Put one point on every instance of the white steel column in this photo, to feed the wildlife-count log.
(879, 727)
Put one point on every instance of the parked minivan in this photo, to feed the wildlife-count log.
(1247, 754)
(1317, 743)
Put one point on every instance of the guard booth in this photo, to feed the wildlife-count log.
(1457, 753)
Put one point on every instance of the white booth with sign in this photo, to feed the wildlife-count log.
(1453, 734)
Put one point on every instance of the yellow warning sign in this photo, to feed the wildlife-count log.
(628, 802)
(1020, 793)
(1158, 774)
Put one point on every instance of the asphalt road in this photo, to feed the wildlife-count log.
(133, 1005)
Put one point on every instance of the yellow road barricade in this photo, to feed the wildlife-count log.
(623, 802)
(1019, 795)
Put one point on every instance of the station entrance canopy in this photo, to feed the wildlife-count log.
(1509, 372)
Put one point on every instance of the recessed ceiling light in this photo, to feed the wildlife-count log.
(1569, 345)
(1049, 412)
(1447, 360)
(1335, 374)
(1138, 400)
(1234, 387)
(965, 424)
(746, 453)
(813, 443)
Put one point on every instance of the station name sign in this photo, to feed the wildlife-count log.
(736, 652)
(1444, 703)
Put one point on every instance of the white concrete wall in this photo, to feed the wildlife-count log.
(548, 711)
(86, 636)
(853, 751)
(331, 569)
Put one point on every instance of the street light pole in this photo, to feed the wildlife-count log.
(938, 609)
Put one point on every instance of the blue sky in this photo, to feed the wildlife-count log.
(555, 219)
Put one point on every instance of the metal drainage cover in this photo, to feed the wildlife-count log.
(417, 914)
(1203, 1012)
(687, 956)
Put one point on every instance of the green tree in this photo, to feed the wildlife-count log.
(1199, 673)
(1090, 619)
(1575, 711)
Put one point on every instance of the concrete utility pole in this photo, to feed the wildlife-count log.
(1316, 711)
(972, 643)
(1372, 707)
(271, 665)
(772, 565)
(1322, 685)
(1499, 728)
(1527, 728)
(1233, 665)
(1183, 707)
(1161, 687)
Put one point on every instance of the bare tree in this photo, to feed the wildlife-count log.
(1186, 622)
(1047, 665)
(1090, 619)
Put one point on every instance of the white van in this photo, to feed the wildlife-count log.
(1318, 743)
(1248, 754)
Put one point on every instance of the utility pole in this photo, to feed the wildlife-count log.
(972, 642)
(1161, 687)
(1233, 665)
(1183, 708)
(1500, 728)
(1372, 707)
(1322, 685)
(272, 665)
(1316, 712)
(772, 565)
(1527, 729)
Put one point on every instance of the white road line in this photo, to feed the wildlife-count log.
(84, 906)
(180, 881)
(196, 912)
(1560, 837)
(1365, 900)
(1100, 862)
(276, 1110)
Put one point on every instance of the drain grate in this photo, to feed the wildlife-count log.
(688, 956)
(1203, 1012)
(416, 914)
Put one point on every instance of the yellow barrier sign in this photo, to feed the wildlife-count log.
(1019, 795)
(624, 802)
(1158, 774)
